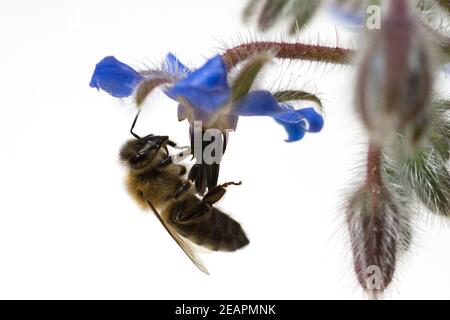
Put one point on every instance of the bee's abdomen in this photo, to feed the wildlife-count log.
(215, 230)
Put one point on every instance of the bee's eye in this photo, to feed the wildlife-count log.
(137, 158)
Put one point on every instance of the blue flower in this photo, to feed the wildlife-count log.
(205, 95)
(115, 77)
(206, 88)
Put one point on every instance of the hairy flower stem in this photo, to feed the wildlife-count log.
(283, 50)
(374, 165)
(399, 5)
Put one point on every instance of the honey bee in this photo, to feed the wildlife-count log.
(155, 181)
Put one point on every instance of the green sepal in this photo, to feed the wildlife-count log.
(247, 75)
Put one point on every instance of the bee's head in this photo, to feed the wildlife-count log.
(142, 154)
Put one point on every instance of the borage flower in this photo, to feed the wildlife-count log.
(205, 96)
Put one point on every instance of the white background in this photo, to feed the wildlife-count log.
(69, 230)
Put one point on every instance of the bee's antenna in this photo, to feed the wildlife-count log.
(134, 124)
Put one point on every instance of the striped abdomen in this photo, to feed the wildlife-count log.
(214, 230)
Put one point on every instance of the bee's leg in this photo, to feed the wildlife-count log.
(205, 206)
(167, 161)
(202, 208)
(198, 174)
(177, 168)
(171, 143)
(182, 190)
(205, 176)
(192, 216)
(216, 193)
(174, 159)
(174, 145)
(182, 155)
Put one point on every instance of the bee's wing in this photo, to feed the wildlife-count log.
(184, 245)
(188, 250)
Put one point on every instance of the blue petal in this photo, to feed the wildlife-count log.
(295, 131)
(115, 77)
(206, 88)
(174, 67)
(262, 103)
(314, 120)
(295, 122)
(256, 103)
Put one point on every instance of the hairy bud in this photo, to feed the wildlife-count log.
(394, 79)
(375, 232)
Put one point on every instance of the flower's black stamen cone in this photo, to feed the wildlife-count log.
(212, 175)
(225, 141)
(205, 172)
(200, 179)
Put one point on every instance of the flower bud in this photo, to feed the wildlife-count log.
(374, 225)
(394, 78)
